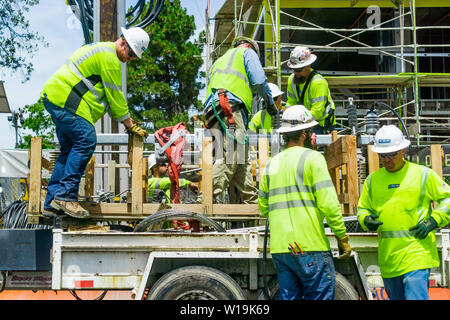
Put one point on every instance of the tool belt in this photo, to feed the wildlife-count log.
(226, 110)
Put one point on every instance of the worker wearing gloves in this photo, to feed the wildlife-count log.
(232, 80)
(159, 181)
(78, 94)
(396, 202)
(261, 120)
(309, 88)
(296, 193)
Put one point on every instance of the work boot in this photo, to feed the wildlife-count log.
(71, 208)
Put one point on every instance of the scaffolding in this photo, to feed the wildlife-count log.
(392, 37)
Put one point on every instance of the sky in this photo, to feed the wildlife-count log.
(53, 20)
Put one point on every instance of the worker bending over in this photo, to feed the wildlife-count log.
(296, 193)
(262, 120)
(307, 87)
(232, 80)
(78, 94)
(396, 202)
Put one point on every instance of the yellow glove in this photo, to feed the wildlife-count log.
(135, 129)
(344, 247)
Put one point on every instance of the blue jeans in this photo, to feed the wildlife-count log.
(77, 139)
(412, 285)
(308, 276)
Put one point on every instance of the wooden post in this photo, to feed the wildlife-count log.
(145, 179)
(35, 156)
(334, 173)
(207, 175)
(352, 173)
(89, 178)
(263, 151)
(112, 175)
(136, 174)
(436, 158)
(373, 160)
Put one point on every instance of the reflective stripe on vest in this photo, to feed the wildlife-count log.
(420, 211)
(229, 70)
(87, 84)
(299, 188)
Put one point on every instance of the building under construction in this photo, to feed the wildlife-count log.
(394, 52)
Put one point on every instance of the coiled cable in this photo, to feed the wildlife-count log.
(15, 217)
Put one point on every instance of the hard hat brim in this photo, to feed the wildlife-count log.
(304, 63)
(401, 146)
(298, 127)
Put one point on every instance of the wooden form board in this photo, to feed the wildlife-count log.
(35, 156)
(341, 155)
(436, 158)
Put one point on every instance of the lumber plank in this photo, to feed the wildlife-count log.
(436, 158)
(207, 175)
(35, 155)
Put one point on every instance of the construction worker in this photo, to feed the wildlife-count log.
(296, 193)
(396, 202)
(309, 88)
(232, 80)
(159, 181)
(78, 94)
(262, 121)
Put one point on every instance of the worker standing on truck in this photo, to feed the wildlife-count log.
(307, 87)
(263, 121)
(78, 94)
(396, 202)
(232, 80)
(296, 193)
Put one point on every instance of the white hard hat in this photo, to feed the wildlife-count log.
(389, 139)
(241, 39)
(137, 39)
(296, 118)
(275, 90)
(301, 57)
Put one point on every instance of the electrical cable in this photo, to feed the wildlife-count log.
(84, 11)
(15, 217)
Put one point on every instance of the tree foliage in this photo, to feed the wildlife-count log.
(17, 42)
(164, 84)
(40, 123)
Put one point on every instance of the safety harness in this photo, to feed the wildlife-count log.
(211, 115)
(175, 161)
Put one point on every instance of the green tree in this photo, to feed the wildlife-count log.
(17, 42)
(40, 123)
(163, 85)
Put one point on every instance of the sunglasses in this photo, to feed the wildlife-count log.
(388, 155)
(131, 53)
(298, 69)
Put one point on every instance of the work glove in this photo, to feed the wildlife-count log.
(371, 223)
(135, 129)
(422, 229)
(344, 248)
(272, 109)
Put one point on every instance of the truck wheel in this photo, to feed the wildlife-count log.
(343, 290)
(196, 283)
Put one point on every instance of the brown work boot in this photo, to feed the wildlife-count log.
(71, 208)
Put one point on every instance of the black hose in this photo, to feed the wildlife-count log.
(396, 114)
(265, 287)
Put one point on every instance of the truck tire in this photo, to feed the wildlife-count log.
(172, 214)
(343, 290)
(196, 283)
